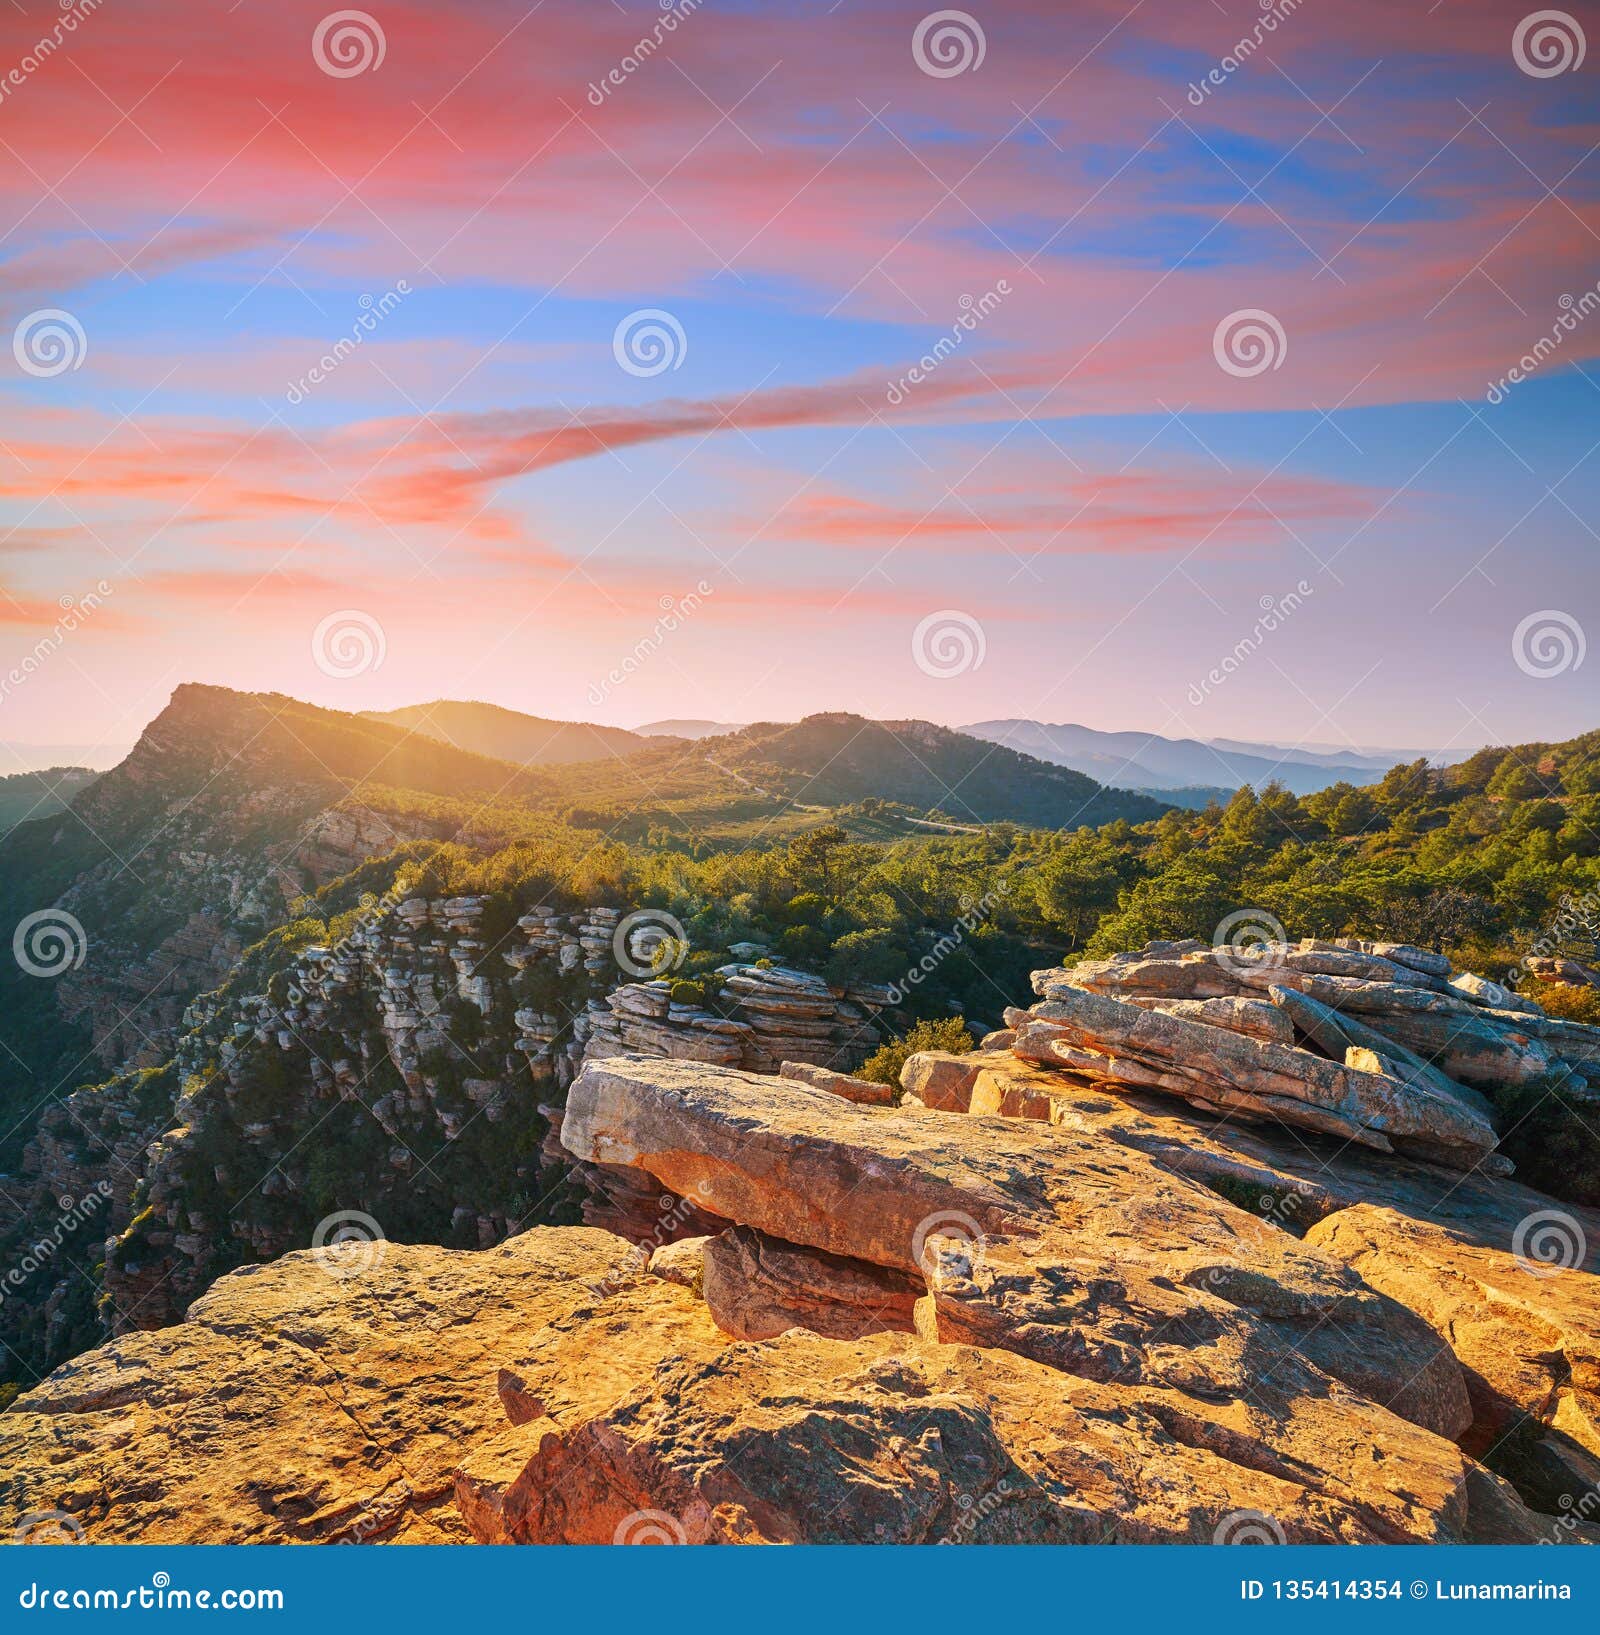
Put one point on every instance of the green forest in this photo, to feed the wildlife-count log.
(1487, 861)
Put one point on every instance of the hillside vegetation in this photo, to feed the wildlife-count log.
(840, 759)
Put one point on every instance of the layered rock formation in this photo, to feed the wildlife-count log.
(768, 1015)
(1506, 1277)
(907, 1326)
(430, 1019)
(1193, 1236)
(1378, 1043)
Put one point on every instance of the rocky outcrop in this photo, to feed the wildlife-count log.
(1504, 1275)
(940, 1079)
(865, 1091)
(767, 1015)
(1525, 1330)
(1148, 1259)
(329, 1397)
(892, 1441)
(914, 1191)
(430, 1019)
(1375, 1043)
(907, 1326)
(901, 1326)
(1069, 1251)
(1476, 1033)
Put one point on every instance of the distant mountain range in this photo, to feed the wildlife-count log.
(1147, 761)
(838, 759)
(827, 759)
(1183, 771)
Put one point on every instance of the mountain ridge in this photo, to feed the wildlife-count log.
(511, 735)
(1150, 761)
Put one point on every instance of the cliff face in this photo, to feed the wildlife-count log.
(414, 1070)
(1044, 1322)
(152, 884)
(173, 862)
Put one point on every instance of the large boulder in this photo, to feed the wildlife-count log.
(328, 1397)
(843, 1085)
(1050, 1243)
(891, 1440)
(1522, 1316)
(1118, 1042)
(942, 1079)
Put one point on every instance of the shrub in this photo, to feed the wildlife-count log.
(878, 955)
(1569, 1001)
(803, 945)
(884, 1064)
(1551, 1139)
(688, 993)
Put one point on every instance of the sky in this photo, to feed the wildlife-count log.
(1165, 366)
